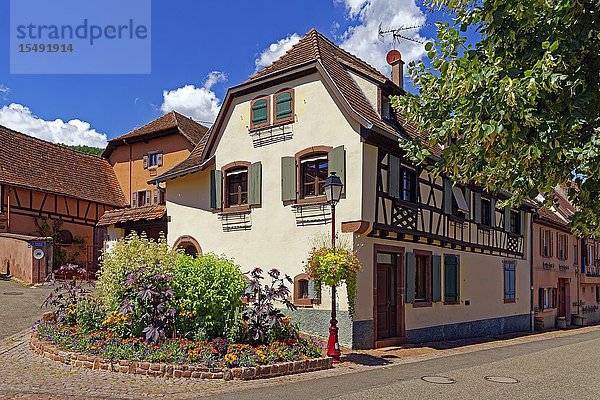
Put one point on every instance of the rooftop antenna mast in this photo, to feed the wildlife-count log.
(398, 33)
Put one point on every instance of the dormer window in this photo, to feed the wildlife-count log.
(386, 107)
(260, 113)
(284, 106)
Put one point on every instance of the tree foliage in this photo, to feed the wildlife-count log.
(94, 151)
(519, 109)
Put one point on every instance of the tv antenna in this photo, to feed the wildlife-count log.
(398, 33)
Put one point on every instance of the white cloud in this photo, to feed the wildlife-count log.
(276, 50)
(200, 103)
(362, 39)
(4, 90)
(74, 132)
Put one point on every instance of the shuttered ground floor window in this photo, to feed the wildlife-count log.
(509, 282)
(423, 278)
(547, 298)
(451, 279)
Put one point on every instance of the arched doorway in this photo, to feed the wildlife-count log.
(189, 245)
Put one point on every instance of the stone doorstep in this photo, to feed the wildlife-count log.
(47, 350)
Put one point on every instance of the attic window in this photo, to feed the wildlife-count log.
(260, 112)
(386, 107)
(284, 106)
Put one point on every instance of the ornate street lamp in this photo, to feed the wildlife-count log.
(333, 191)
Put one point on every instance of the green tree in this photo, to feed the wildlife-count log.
(94, 151)
(518, 109)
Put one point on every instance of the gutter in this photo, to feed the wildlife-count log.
(197, 168)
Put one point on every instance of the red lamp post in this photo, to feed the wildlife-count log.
(333, 191)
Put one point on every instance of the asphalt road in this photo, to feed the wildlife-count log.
(19, 306)
(558, 368)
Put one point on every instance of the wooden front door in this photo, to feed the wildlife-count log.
(388, 296)
(563, 298)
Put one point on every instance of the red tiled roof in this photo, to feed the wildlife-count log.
(336, 63)
(187, 127)
(551, 216)
(132, 214)
(30, 162)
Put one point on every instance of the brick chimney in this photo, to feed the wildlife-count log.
(395, 60)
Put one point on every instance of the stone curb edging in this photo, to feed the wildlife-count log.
(52, 352)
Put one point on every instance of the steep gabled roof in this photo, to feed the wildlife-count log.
(120, 215)
(314, 52)
(33, 163)
(171, 122)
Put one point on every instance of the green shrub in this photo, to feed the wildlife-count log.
(133, 255)
(208, 290)
(90, 314)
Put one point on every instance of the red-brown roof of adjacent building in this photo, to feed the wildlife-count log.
(314, 47)
(121, 215)
(171, 122)
(29, 162)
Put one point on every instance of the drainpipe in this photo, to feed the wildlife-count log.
(531, 288)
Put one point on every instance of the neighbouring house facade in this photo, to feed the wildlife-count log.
(566, 269)
(440, 261)
(137, 157)
(49, 191)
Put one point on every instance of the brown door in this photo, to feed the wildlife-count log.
(387, 296)
(563, 297)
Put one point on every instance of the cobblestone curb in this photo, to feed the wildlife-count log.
(52, 352)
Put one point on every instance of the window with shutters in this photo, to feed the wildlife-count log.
(313, 173)
(142, 198)
(509, 282)
(451, 279)
(423, 274)
(545, 242)
(563, 243)
(236, 187)
(284, 106)
(486, 211)
(259, 113)
(306, 293)
(408, 190)
(576, 252)
(515, 222)
(547, 298)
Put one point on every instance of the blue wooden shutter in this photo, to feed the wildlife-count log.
(493, 212)
(394, 176)
(216, 189)
(523, 225)
(506, 219)
(260, 112)
(254, 183)
(311, 289)
(436, 275)
(467, 193)
(411, 267)
(283, 105)
(336, 161)
(447, 196)
(288, 179)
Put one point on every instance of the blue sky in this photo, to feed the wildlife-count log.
(199, 49)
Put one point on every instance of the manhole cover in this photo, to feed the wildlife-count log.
(13, 293)
(441, 380)
(501, 379)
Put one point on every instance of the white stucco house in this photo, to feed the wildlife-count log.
(439, 261)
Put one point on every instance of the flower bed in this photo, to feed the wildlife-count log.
(177, 358)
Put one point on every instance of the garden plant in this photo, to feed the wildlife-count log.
(156, 304)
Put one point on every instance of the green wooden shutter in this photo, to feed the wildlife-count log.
(436, 274)
(541, 298)
(493, 212)
(216, 189)
(259, 112)
(254, 183)
(451, 279)
(477, 207)
(411, 269)
(447, 196)
(394, 176)
(507, 219)
(288, 178)
(336, 160)
(283, 105)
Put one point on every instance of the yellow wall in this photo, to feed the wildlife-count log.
(175, 149)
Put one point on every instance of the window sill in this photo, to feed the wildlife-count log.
(484, 227)
(456, 220)
(312, 200)
(451, 303)
(235, 209)
(507, 301)
(419, 304)
(277, 124)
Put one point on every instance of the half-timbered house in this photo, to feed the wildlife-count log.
(440, 261)
(48, 190)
